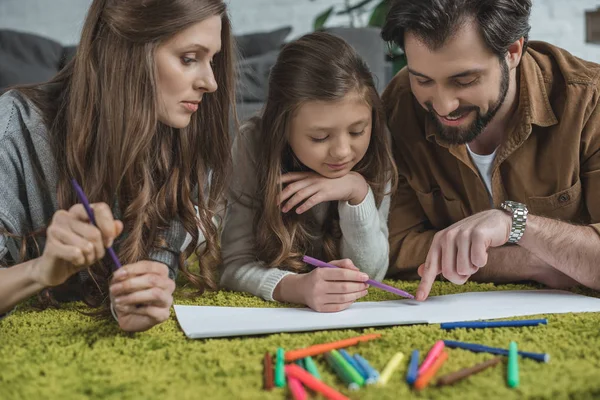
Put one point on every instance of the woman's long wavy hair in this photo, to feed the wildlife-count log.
(317, 67)
(101, 112)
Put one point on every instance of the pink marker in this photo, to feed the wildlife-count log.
(296, 388)
(431, 356)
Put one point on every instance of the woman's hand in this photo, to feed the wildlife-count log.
(72, 243)
(141, 295)
(324, 289)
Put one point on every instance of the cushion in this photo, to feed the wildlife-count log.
(27, 58)
(254, 44)
(253, 77)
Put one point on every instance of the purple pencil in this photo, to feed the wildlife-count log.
(383, 286)
(86, 204)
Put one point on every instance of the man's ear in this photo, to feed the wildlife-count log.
(515, 53)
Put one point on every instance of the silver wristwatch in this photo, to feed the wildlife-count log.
(519, 219)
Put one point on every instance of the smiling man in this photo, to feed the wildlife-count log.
(497, 142)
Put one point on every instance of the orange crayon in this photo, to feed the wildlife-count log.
(313, 383)
(325, 347)
(424, 378)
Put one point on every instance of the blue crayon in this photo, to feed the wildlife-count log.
(372, 374)
(493, 324)
(413, 368)
(479, 348)
(354, 364)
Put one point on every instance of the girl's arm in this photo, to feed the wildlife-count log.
(242, 271)
(365, 234)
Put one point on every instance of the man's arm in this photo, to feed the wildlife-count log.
(509, 263)
(409, 236)
(570, 249)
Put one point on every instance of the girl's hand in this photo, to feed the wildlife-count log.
(313, 189)
(324, 289)
(72, 243)
(142, 295)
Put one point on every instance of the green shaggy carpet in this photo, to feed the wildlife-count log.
(62, 354)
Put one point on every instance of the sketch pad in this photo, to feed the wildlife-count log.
(206, 322)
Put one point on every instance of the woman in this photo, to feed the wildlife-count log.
(137, 119)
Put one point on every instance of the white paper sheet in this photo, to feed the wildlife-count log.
(205, 322)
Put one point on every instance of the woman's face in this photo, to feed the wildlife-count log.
(184, 71)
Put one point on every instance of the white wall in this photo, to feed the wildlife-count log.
(60, 20)
(560, 22)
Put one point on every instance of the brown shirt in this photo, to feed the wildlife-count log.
(550, 160)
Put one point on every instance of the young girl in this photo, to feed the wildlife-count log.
(311, 176)
(137, 120)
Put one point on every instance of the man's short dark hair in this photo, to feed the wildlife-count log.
(501, 22)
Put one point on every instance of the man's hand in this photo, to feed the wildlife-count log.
(458, 251)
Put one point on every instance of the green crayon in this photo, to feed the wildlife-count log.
(513, 366)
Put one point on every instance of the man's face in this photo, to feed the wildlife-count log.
(461, 85)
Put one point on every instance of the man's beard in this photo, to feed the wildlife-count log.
(457, 135)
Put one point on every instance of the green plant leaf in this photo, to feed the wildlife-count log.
(322, 19)
(379, 14)
(354, 7)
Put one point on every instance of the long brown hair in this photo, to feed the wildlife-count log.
(101, 112)
(318, 66)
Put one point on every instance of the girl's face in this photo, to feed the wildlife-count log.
(331, 137)
(184, 71)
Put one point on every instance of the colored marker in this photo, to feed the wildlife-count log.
(425, 377)
(372, 373)
(350, 360)
(390, 367)
(512, 376)
(88, 209)
(279, 371)
(350, 370)
(312, 383)
(268, 366)
(340, 372)
(296, 388)
(413, 368)
(435, 351)
(311, 367)
(453, 377)
(325, 347)
(383, 286)
(493, 324)
(479, 348)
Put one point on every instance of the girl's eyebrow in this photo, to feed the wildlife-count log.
(363, 121)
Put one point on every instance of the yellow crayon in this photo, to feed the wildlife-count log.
(389, 368)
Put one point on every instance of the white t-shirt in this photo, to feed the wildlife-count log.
(484, 164)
